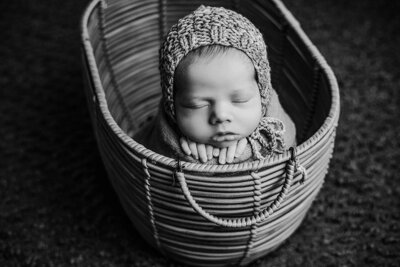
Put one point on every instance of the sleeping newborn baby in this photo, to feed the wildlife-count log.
(218, 105)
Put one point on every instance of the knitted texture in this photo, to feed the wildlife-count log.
(212, 26)
(267, 138)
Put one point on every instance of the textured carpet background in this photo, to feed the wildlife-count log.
(57, 207)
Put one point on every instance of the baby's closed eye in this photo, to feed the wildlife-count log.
(195, 104)
(241, 98)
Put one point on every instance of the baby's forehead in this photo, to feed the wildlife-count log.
(215, 70)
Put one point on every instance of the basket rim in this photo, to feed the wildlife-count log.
(154, 158)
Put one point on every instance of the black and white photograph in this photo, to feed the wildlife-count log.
(172, 133)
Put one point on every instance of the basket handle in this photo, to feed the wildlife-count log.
(291, 167)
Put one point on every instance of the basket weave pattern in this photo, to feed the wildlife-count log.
(206, 214)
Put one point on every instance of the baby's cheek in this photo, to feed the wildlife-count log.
(250, 120)
(191, 117)
(193, 126)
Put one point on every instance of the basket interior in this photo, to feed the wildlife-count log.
(126, 37)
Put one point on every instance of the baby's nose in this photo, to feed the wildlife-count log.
(220, 114)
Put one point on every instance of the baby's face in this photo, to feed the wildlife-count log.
(218, 101)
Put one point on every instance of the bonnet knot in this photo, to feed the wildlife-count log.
(267, 138)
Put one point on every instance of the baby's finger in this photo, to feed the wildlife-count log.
(209, 150)
(230, 154)
(216, 152)
(185, 146)
(201, 149)
(241, 145)
(193, 149)
(222, 156)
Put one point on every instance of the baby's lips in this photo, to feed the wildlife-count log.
(225, 137)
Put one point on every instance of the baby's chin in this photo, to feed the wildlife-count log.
(223, 144)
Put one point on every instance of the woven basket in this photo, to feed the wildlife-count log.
(213, 215)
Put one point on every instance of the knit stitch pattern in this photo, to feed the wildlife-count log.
(267, 138)
(213, 26)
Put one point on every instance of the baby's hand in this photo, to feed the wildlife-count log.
(197, 150)
(227, 154)
(207, 152)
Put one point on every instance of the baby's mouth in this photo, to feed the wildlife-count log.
(225, 136)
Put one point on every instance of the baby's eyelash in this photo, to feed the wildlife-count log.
(194, 106)
(241, 100)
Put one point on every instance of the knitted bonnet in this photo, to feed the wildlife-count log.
(212, 26)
